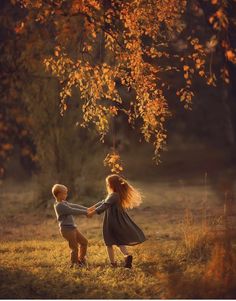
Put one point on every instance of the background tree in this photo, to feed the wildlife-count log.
(31, 126)
(126, 64)
(221, 18)
(14, 120)
(104, 46)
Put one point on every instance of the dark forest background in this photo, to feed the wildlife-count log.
(187, 214)
(38, 144)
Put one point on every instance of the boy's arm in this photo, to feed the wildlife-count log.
(72, 205)
(110, 200)
(67, 210)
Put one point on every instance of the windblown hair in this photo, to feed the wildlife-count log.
(58, 188)
(129, 196)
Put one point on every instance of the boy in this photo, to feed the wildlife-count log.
(68, 229)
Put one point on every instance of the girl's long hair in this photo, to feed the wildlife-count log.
(129, 196)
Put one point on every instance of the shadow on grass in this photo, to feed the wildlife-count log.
(66, 284)
(185, 286)
(19, 284)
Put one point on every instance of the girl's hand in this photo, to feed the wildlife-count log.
(90, 213)
(91, 208)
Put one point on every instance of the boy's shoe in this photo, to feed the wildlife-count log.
(80, 265)
(77, 265)
(128, 261)
(113, 265)
(83, 263)
(72, 265)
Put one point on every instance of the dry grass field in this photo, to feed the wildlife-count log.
(185, 256)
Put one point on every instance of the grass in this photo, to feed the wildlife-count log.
(179, 259)
(33, 269)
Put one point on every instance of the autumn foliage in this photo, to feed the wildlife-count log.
(103, 47)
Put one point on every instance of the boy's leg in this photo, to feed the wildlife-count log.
(70, 236)
(83, 242)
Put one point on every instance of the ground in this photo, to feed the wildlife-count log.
(175, 262)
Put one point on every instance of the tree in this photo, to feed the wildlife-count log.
(30, 122)
(221, 19)
(104, 46)
(15, 123)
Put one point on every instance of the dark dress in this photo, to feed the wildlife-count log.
(118, 228)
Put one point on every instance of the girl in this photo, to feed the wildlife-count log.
(118, 228)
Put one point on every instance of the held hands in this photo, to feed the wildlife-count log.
(90, 212)
(91, 208)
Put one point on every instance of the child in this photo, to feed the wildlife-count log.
(118, 228)
(68, 229)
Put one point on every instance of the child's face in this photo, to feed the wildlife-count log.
(62, 195)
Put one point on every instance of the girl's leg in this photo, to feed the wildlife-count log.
(128, 257)
(124, 250)
(111, 255)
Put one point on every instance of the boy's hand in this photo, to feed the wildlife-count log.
(91, 208)
(90, 213)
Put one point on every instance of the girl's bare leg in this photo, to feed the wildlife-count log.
(128, 257)
(124, 250)
(111, 255)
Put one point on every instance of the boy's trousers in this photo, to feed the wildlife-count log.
(74, 237)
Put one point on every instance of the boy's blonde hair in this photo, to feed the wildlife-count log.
(58, 188)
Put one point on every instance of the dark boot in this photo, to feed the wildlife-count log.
(128, 261)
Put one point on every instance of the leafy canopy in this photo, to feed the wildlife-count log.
(102, 47)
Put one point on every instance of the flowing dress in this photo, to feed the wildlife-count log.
(118, 227)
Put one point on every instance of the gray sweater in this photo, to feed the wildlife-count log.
(64, 212)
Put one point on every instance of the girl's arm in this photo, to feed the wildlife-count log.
(96, 205)
(109, 201)
(72, 205)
